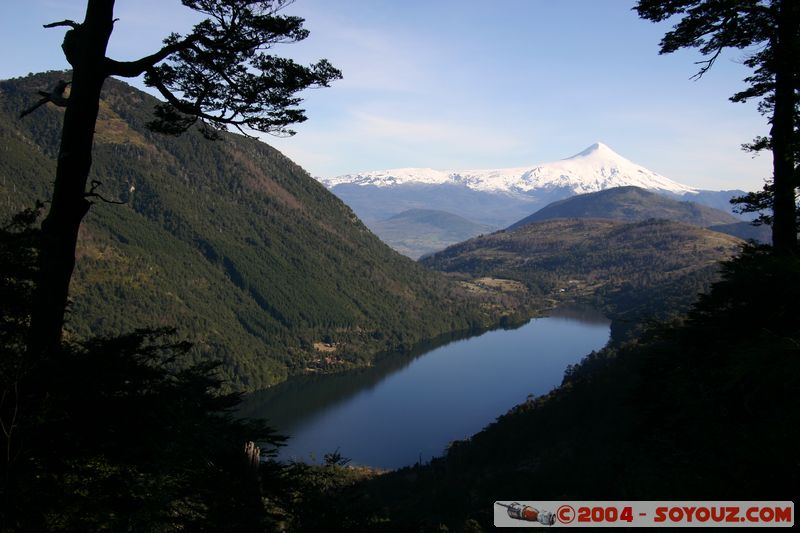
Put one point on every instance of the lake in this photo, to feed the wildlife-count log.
(407, 408)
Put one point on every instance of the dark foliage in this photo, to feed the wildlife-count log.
(111, 436)
(222, 74)
(117, 434)
(18, 248)
(728, 380)
(704, 408)
(770, 32)
(316, 497)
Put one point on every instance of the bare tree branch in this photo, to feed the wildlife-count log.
(707, 64)
(132, 69)
(56, 96)
(66, 22)
(183, 107)
(93, 194)
(244, 133)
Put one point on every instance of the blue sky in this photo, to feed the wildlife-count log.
(468, 84)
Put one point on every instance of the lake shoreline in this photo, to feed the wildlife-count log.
(430, 395)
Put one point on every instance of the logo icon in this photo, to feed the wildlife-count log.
(527, 513)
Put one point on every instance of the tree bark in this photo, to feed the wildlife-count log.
(784, 228)
(85, 48)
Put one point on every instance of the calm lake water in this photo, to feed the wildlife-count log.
(407, 408)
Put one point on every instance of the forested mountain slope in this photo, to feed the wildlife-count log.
(228, 240)
(631, 270)
(630, 204)
(666, 417)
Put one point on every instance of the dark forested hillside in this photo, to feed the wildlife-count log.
(648, 268)
(669, 416)
(630, 204)
(252, 259)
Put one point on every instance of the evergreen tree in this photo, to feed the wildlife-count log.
(772, 29)
(116, 434)
(219, 75)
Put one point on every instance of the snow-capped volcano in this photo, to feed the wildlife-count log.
(495, 198)
(596, 168)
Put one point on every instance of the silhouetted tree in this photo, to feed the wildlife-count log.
(771, 29)
(18, 257)
(117, 434)
(221, 74)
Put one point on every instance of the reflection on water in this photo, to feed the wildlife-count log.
(300, 397)
(411, 406)
(584, 315)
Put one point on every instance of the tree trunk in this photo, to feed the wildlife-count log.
(784, 229)
(85, 49)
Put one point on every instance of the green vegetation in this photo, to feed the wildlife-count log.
(632, 271)
(267, 271)
(221, 74)
(228, 241)
(114, 434)
(417, 232)
(636, 204)
(120, 434)
(704, 408)
(629, 204)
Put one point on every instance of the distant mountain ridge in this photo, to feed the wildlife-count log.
(632, 204)
(417, 232)
(629, 204)
(596, 168)
(501, 197)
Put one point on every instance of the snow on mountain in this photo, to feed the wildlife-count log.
(596, 168)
